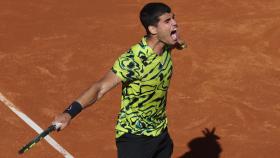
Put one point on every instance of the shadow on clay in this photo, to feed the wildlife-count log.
(204, 147)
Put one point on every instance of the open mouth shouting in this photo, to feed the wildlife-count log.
(174, 35)
(178, 43)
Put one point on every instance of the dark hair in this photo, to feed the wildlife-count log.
(151, 12)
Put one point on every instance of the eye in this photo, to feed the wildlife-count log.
(167, 20)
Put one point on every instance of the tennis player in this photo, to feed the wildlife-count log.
(145, 71)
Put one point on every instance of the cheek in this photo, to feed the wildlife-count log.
(163, 32)
(163, 28)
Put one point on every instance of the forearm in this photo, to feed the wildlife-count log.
(87, 98)
(91, 95)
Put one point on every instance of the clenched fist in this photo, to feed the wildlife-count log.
(61, 121)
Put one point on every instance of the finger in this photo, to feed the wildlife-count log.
(58, 125)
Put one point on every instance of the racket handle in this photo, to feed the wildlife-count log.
(37, 139)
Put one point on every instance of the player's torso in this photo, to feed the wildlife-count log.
(144, 100)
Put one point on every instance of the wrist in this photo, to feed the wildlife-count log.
(74, 109)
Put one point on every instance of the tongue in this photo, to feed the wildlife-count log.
(174, 36)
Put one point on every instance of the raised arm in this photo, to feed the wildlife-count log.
(90, 96)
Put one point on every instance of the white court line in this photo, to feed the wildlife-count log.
(33, 125)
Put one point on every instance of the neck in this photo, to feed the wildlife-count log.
(156, 44)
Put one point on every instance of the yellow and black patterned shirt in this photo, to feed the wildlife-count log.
(145, 79)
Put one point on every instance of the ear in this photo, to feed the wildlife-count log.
(152, 29)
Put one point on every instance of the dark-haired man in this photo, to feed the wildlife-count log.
(145, 71)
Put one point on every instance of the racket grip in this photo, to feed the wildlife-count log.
(37, 139)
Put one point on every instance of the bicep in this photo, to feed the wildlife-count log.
(109, 81)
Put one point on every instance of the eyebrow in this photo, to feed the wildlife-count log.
(172, 17)
(168, 19)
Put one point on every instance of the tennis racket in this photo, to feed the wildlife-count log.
(37, 139)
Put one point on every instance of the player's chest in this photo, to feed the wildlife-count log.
(158, 70)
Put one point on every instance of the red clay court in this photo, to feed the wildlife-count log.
(228, 77)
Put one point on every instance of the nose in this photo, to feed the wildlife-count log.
(174, 23)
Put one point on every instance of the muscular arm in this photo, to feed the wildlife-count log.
(90, 96)
(98, 89)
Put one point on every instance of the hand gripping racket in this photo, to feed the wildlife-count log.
(37, 139)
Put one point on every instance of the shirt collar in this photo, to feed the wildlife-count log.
(148, 49)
